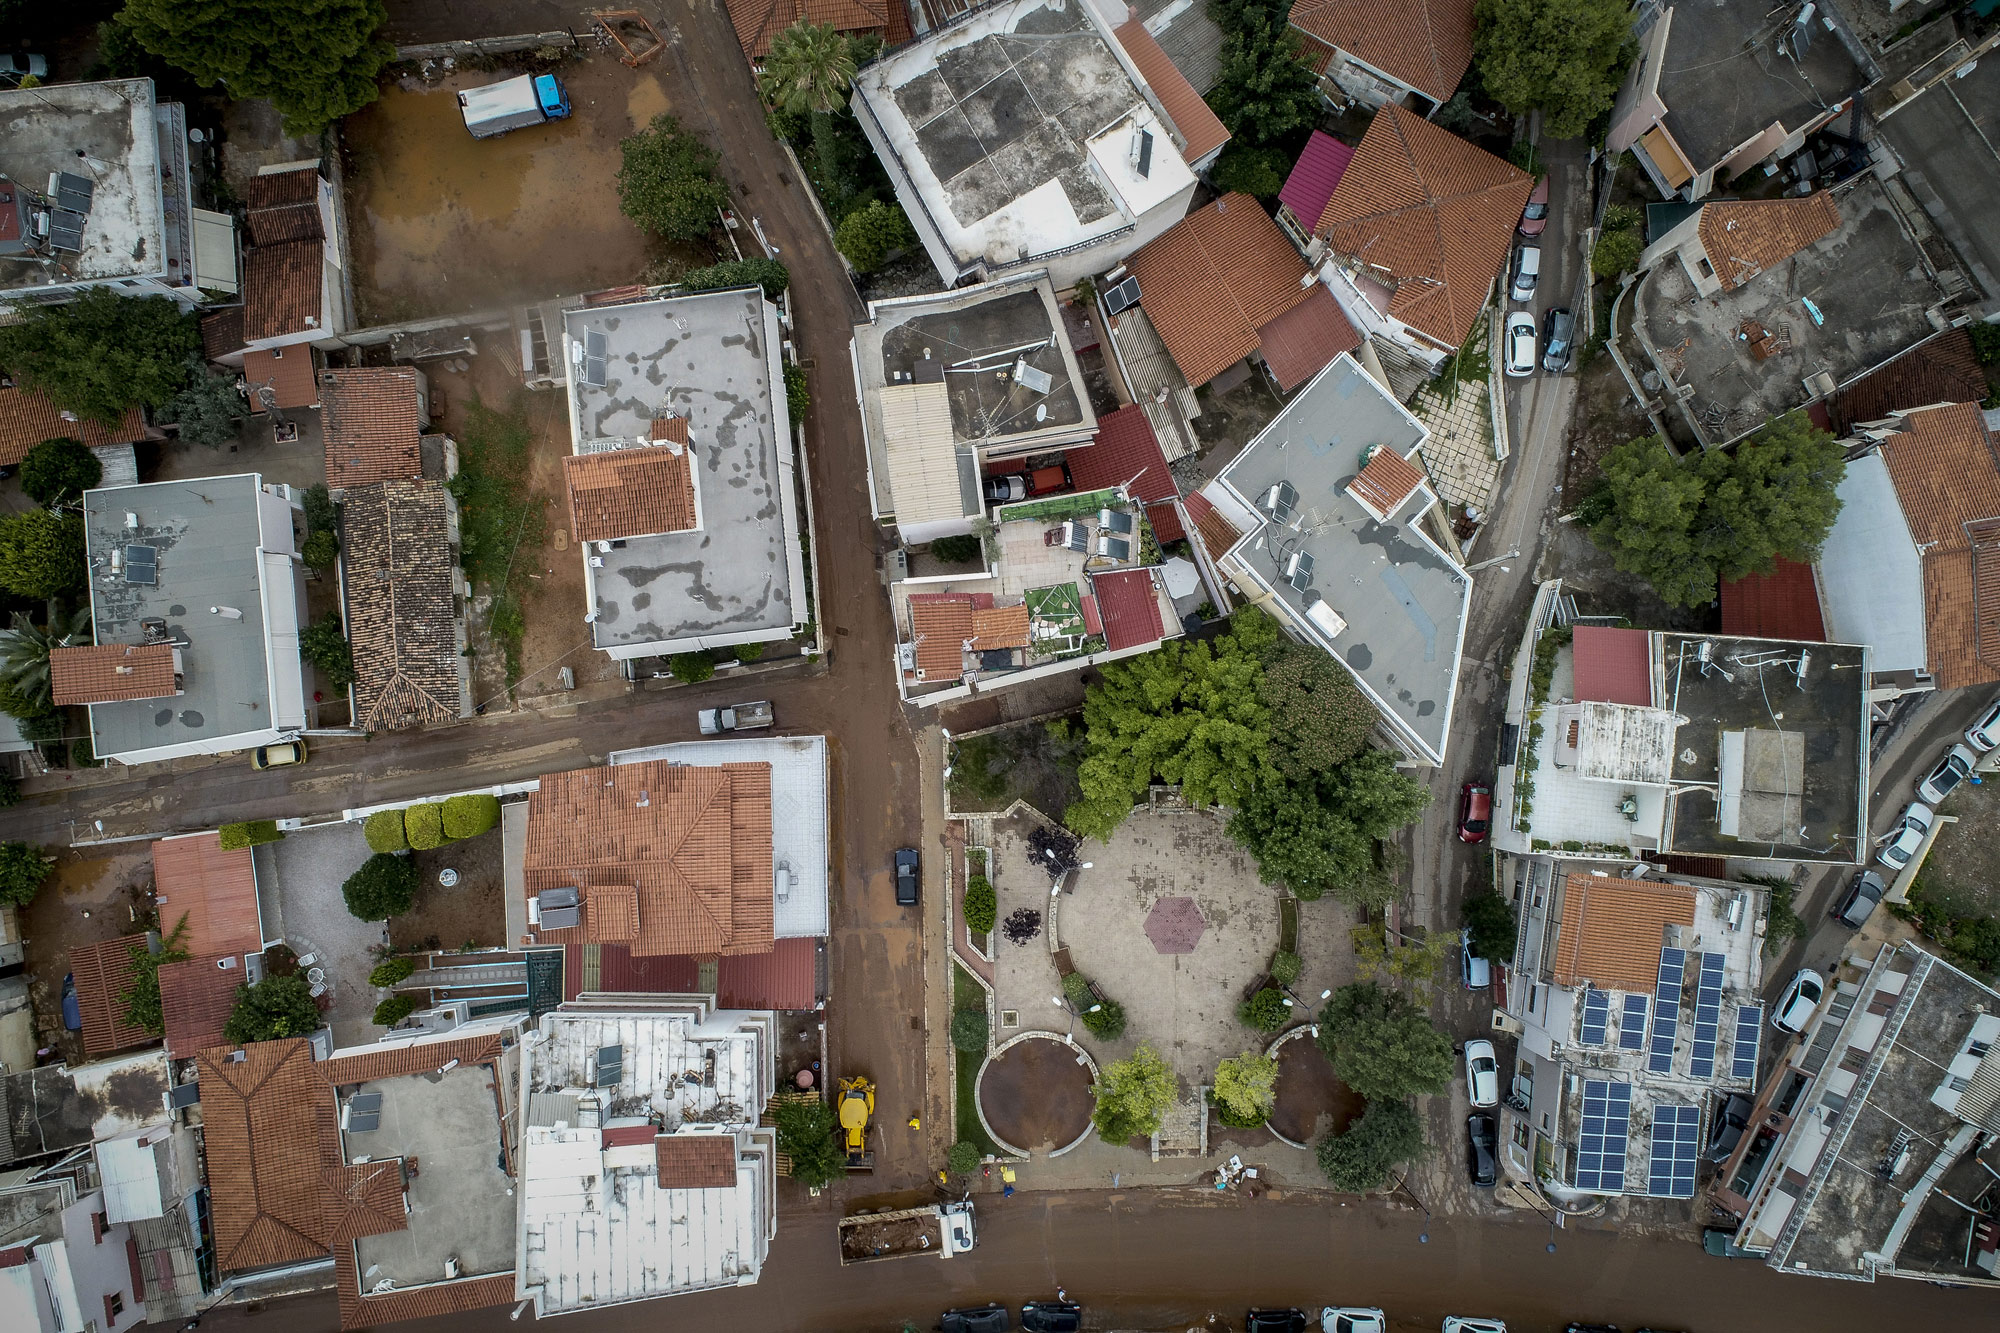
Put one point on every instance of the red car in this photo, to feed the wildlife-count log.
(1475, 812)
(1536, 215)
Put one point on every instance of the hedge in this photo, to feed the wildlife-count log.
(390, 971)
(394, 1010)
(423, 825)
(384, 831)
(235, 837)
(982, 908)
(470, 816)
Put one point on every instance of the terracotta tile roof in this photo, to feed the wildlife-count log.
(1124, 451)
(283, 206)
(698, 851)
(696, 1161)
(1303, 341)
(1385, 483)
(1200, 130)
(611, 912)
(367, 1199)
(269, 1130)
(402, 618)
(1425, 44)
(1431, 211)
(1612, 666)
(103, 972)
(1314, 176)
(661, 974)
(1743, 237)
(1783, 604)
(373, 419)
(222, 332)
(1000, 627)
(403, 1061)
(757, 22)
(27, 418)
(282, 285)
(1130, 608)
(1612, 930)
(196, 999)
(429, 1301)
(1940, 369)
(630, 492)
(939, 625)
(1166, 520)
(213, 888)
(289, 371)
(785, 978)
(105, 673)
(1212, 280)
(1946, 473)
(1217, 533)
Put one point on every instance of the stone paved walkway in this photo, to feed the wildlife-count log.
(1459, 453)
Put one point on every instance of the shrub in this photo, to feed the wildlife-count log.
(470, 816)
(423, 825)
(871, 233)
(805, 1134)
(968, 1030)
(390, 971)
(750, 652)
(1617, 252)
(60, 470)
(1388, 1134)
(324, 644)
(962, 549)
(142, 993)
(1246, 1089)
(394, 1010)
(385, 886)
(1285, 967)
(1106, 1021)
(982, 907)
(691, 668)
(798, 394)
(384, 831)
(10, 791)
(1253, 171)
(1266, 1010)
(322, 514)
(667, 182)
(963, 1159)
(83, 754)
(23, 871)
(1985, 343)
(772, 276)
(249, 833)
(321, 551)
(273, 1008)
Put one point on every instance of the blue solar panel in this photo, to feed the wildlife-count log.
(1632, 1027)
(1749, 1028)
(1667, 1010)
(1707, 1016)
(1600, 1145)
(1676, 1145)
(1596, 1017)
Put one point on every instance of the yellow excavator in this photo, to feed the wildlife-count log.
(857, 1108)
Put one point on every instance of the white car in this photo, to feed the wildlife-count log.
(1352, 1319)
(1458, 1323)
(1527, 272)
(1946, 774)
(1906, 837)
(1519, 358)
(1802, 998)
(1482, 1073)
(1984, 734)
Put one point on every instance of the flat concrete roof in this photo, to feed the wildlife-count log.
(1723, 81)
(42, 130)
(206, 535)
(1403, 600)
(1014, 126)
(709, 358)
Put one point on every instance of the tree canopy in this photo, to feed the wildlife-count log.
(868, 234)
(1320, 834)
(384, 886)
(24, 868)
(1134, 1095)
(1246, 1088)
(1687, 525)
(667, 182)
(317, 60)
(101, 353)
(324, 644)
(1565, 57)
(767, 273)
(42, 554)
(142, 993)
(277, 1006)
(24, 653)
(1264, 90)
(805, 1134)
(207, 410)
(1361, 1157)
(1381, 1045)
(1489, 920)
(808, 69)
(59, 471)
(1327, 719)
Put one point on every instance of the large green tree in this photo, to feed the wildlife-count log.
(1264, 90)
(869, 233)
(59, 471)
(317, 60)
(667, 182)
(1382, 1045)
(1563, 57)
(1134, 1096)
(42, 554)
(208, 410)
(101, 353)
(806, 1135)
(383, 887)
(1361, 1157)
(1326, 717)
(1322, 832)
(24, 868)
(24, 652)
(807, 73)
(277, 1006)
(1246, 1087)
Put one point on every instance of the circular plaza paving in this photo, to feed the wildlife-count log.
(1036, 1094)
(1310, 1101)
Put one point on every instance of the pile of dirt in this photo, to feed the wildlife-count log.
(902, 1235)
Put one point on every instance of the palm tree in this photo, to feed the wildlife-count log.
(24, 651)
(807, 72)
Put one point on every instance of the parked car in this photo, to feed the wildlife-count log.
(1482, 1147)
(1519, 357)
(1478, 972)
(1011, 486)
(1458, 1323)
(1721, 1242)
(1558, 340)
(1862, 895)
(1590, 1328)
(1527, 272)
(278, 756)
(1946, 774)
(1275, 1321)
(72, 1012)
(1726, 1131)
(1482, 1073)
(1801, 999)
(1984, 734)
(14, 68)
(1051, 1317)
(1535, 217)
(1907, 836)
(909, 876)
(992, 1318)
(1352, 1319)
(1475, 812)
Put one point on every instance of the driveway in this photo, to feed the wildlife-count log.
(298, 884)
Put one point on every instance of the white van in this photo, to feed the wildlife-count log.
(1527, 269)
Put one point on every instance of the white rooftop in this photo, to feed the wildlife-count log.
(1616, 742)
(1871, 575)
(130, 1175)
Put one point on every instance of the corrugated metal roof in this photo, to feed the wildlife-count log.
(1783, 604)
(215, 889)
(1613, 666)
(785, 978)
(103, 972)
(1130, 606)
(1314, 176)
(923, 456)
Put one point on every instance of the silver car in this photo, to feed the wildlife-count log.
(1907, 836)
(1946, 774)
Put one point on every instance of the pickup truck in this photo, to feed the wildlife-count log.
(940, 1229)
(739, 717)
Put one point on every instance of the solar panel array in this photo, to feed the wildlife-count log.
(1749, 1029)
(1707, 1015)
(1596, 1017)
(1632, 1028)
(1676, 1131)
(1667, 1010)
(1607, 1125)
